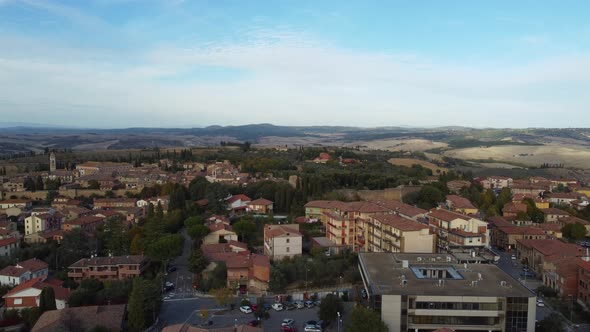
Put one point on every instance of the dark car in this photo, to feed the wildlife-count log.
(290, 306)
(171, 269)
(527, 274)
(254, 322)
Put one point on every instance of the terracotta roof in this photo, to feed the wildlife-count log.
(15, 201)
(460, 202)
(281, 230)
(33, 265)
(512, 207)
(573, 195)
(573, 220)
(7, 241)
(555, 211)
(400, 223)
(585, 265)
(61, 293)
(549, 247)
(241, 197)
(220, 226)
(260, 201)
(524, 230)
(116, 260)
(499, 221)
(85, 220)
(109, 316)
(446, 215)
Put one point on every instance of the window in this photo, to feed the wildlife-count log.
(18, 301)
(287, 249)
(288, 240)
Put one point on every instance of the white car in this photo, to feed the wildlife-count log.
(540, 304)
(246, 309)
(513, 257)
(277, 306)
(169, 284)
(287, 322)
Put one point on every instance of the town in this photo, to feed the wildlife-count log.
(291, 239)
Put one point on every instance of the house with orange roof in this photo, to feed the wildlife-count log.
(261, 206)
(505, 237)
(461, 205)
(23, 271)
(394, 233)
(457, 231)
(220, 231)
(535, 252)
(551, 215)
(512, 209)
(282, 241)
(8, 246)
(27, 294)
(237, 202)
(561, 275)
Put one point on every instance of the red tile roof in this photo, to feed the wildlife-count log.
(400, 223)
(512, 207)
(555, 211)
(459, 202)
(446, 215)
(524, 230)
(260, 201)
(549, 247)
(8, 241)
(272, 231)
(241, 197)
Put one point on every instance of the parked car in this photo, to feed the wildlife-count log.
(171, 269)
(364, 293)
(309, 304)
(528, 274)
(540, 303)
(254, 307)
(168, 284)
(254, 322)
(288, 329)
(312, 328)
(299, 304)
(287, 322)
(266, 306)
(513, 257)
(246, 309)
(277, 306)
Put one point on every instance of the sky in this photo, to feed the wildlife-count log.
(175, 63)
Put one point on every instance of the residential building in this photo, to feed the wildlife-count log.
(111, 317)
(561, 274)
(238, 202)
(574, 220)
(505, 237)
(551, 215)
(220, 231)
(455, 186)
(496, 182)
(512, 209)
(23, 271)
(94, 167)
(23, 204)
(457, 231)
(27, 294)
(584, 282)
(108, 268)
(394, 233)
(281, 241)
(86, 223)
(112, 203)
(461, 205)
(565, 198)
(423, 292)
(8, 246)
(535, 252)
(248, 273)
(14, 185)
(260, 206)
(8, 229)
(38, 223)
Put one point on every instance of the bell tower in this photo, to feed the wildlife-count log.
(52, 162)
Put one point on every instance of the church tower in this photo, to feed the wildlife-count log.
(52, 162)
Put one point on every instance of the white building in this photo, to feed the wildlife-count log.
(24, 271)
(281, 241)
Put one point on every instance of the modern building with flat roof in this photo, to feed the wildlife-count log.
(424, 292)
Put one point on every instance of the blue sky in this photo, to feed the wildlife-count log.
(174, 63)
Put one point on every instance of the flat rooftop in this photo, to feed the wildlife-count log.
(386, 272)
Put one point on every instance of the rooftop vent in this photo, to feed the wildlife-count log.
(419, 259)
(449, 258)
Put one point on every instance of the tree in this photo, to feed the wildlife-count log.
(244, 228)
(198, 231)
(197, 262)
(330, 307)
(364, 319)
(166, 247)
(93, 184)
(159, 211)
(575, 231)
(39, 183)
(223, 296)
(29, 184)
(194, 220)
(136, 303)
(551, 323)
(115, 237)
(47, 299)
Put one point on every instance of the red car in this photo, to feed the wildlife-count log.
(254, 307)
(288, 329)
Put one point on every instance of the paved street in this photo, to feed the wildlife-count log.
(182, 278)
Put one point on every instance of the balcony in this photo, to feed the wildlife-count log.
(75, 275)
(103, 273)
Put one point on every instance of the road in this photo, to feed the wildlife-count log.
(182, 278)
(514, 269)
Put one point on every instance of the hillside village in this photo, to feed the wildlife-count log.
(101, 234)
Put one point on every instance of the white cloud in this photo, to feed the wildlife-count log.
(288, 78)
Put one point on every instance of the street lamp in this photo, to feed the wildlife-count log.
(339, 320)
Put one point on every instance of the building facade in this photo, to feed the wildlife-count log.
(108, 268)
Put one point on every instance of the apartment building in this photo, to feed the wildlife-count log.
(108, 268)
(393, 233)
(457, 231)
(282, 241)
(23, 271)
(423, 292)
